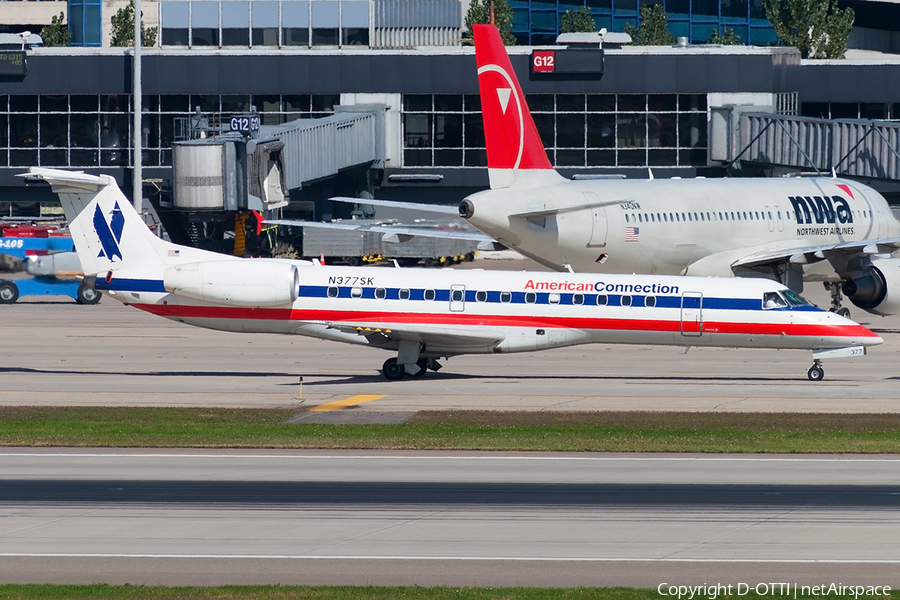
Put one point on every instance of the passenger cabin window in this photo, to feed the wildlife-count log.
(380, 293)
(332, 292)
(650, 301)
(626, 214)
(773, 300)
(602, 300)
(404, 294)
(530, 297)
(429, 294)
(356, 292)
(577, 298)
(626, 300)
(480, 296)
(505, 296)
(553, 298)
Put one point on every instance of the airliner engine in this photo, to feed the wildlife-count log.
(235, 282)
(877, 288)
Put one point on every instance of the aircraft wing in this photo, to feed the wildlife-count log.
(543, 211)
(435, 335)
(433, 208)
(814, 253)
(391, 233)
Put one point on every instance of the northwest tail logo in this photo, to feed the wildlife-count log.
(110, 233)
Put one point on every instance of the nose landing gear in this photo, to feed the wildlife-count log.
(835, 289)
(816, 372)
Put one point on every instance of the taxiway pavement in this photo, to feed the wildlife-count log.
(56, 352)
(461, 519)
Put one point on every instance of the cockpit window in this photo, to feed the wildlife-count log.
(773, 300)
(795, 299)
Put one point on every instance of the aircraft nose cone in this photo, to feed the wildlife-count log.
(466, 209)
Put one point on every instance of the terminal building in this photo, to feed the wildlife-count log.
(672, 110)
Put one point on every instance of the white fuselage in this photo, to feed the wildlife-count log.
(472, 311)
(682, 227)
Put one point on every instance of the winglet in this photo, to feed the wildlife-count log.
(515, 153)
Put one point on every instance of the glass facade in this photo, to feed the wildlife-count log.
(578, 130)
(537, 22)
(95, 130)
(247, 23)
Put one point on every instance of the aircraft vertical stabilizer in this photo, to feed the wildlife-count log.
(515, 153)
(107, 232)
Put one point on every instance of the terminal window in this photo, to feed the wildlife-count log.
(91, 130)
(578, 130)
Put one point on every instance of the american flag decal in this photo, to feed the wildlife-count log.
(632, 233)
(174, 252)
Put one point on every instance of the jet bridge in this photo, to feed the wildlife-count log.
(851, 147)
(226, 166)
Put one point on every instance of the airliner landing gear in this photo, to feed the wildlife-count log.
(393, 370)
(816, 372)
(835, 289)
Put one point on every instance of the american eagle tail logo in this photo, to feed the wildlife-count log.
(110, 233)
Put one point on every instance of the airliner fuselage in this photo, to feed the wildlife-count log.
(679, 227)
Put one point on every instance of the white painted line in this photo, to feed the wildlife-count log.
(448, 558)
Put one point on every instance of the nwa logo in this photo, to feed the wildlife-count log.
(110, 234)
(821, 209)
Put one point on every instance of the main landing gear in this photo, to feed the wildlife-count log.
(835, 289)
(816, 372)
(393, 370)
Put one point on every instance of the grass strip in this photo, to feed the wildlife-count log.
(455, 430)
(128, 592)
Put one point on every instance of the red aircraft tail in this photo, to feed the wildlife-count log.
(515, 153)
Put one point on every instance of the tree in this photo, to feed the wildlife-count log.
(123, 28)
(817, 28)
(56, 34)
(654, 28)
(480, 14)
(728, 37)
(581, 20)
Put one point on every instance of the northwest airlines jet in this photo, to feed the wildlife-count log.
(424, 314)
(787, 229)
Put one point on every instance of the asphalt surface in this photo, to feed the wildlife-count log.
(203, 518)
(461, 519)
(59, 352)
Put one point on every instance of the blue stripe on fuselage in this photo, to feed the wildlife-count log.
(493, 297)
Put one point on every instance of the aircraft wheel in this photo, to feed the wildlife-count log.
(9, 292)
(816, 373)
(392, 370)
(87, 295)
(844, 312)
(423, 367)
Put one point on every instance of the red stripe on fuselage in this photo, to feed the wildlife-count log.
(368, 318)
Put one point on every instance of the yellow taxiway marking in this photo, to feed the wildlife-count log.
(348, 402)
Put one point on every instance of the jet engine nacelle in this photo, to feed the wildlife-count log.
(240, 282)
(877, 290)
